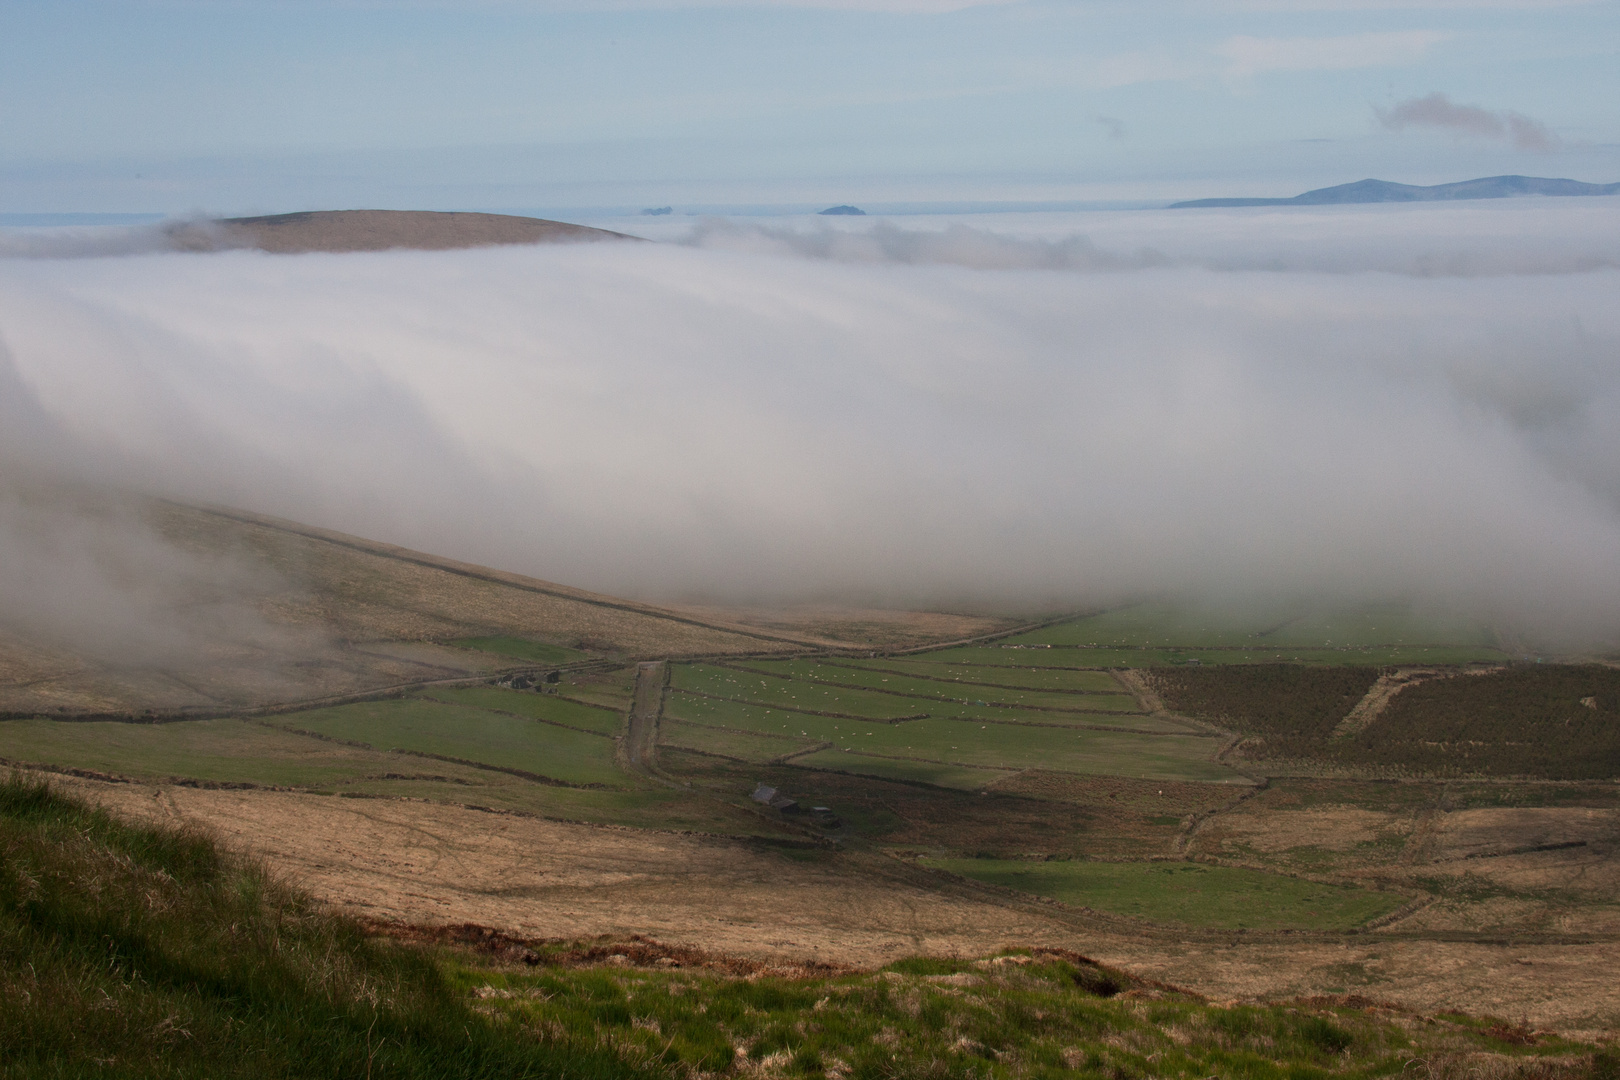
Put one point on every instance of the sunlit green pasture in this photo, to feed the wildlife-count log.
(468, 734)
(549, 707)
(718, 712)
(728, 743)
(786, 693)
(936, 692)
(1180, 755)
(1029, 677)
(611, 688)
(1076, 750)
(1185, 892)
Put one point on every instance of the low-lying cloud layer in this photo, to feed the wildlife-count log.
(762, 414)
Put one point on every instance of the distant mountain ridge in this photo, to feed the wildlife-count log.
(1381, 191)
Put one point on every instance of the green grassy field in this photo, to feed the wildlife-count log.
(1184, 892)
(534, 652)
(935, 694)
(757, 697)
(922, 772)
(604, 720)
(1102, 753)
(752, 717)
(468, 734)
(785, 693)
(758, 718)
(1026, 677)
(732, 744)
(222, 751)
(613, 688)
(1176, 756)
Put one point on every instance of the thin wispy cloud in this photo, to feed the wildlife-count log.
(1437, 111)
(1249, 56)
(1240, 58)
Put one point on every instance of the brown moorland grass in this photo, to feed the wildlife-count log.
(422, 863)
(378, 230)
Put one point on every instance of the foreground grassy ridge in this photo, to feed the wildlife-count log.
(132, 952)
(1013, 1016)
(146, 952)
(1185, 892)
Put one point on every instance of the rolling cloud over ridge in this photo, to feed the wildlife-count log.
(772, 415)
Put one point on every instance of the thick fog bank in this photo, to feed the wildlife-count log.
(767, 416)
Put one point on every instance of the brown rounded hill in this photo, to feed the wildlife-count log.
(378, 230)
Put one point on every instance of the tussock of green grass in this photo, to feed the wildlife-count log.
(1006, 1018)
(129, 951)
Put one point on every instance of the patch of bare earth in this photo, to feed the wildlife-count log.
(429, 864)
(1329, 828)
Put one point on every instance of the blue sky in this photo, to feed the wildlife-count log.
(269, 105)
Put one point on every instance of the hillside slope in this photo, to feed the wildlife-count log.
(307, 614)
(378, 230)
